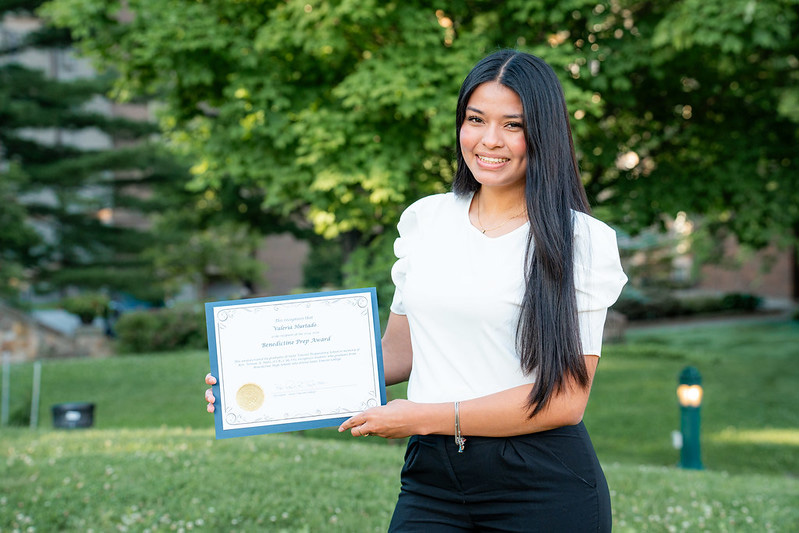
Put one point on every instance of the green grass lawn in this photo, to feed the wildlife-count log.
(173, 479)
(151, 462)
(750, 420)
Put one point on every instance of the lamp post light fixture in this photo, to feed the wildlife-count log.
(689, 394)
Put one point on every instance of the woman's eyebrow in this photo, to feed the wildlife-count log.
(470, 108)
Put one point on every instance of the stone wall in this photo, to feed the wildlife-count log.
(25, 339)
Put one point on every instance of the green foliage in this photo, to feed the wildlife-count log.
(17, 239)
(176, 236)
(340, 114)
(163, 329)
(660, 304)
(739, 301)
(87, 305)
(322, 268)
(371, 267)
(225, 251)
(705, 117)
(737, 25)
(72, 194)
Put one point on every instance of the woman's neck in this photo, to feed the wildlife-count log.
(495, 213)
(500, 202)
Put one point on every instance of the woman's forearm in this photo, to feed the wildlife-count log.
(502, 414)
(506, 413)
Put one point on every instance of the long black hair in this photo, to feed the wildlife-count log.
(547, 334)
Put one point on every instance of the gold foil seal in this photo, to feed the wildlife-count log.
(250, 397)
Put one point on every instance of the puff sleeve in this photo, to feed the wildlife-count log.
(408, 227)
(598, 278)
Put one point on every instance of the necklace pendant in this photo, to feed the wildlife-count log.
(484, 232)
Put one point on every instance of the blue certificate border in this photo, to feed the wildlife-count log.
(293, 426)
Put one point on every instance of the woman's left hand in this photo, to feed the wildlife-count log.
(395, 420)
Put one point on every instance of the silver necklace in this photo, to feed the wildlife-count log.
(483, 229)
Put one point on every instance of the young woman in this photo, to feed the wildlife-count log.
(502, 288)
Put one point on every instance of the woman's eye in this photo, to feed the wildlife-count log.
(515, 125)
(476, 120)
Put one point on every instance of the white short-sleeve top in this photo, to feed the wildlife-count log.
(462, 293)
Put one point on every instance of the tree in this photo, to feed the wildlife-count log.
(703, 120)
(341, 112)
(60, 194)
(62, 200)
(17, 239)
(707, 113)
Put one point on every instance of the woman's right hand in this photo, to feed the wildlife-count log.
(209, 393)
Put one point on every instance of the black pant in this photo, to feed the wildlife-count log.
(548, 482)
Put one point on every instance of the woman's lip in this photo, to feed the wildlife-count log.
(491, 162)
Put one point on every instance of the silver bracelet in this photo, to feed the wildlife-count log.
(459, 440)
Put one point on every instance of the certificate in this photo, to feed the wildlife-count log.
(295, 362)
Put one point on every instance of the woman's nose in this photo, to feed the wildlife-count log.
(492, 137)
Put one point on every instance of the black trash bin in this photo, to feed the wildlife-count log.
(73, 415)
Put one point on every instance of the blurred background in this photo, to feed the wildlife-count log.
(159, 154)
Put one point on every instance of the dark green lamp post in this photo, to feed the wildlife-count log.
(689, 394)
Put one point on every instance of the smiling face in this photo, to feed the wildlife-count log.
(492, 138)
